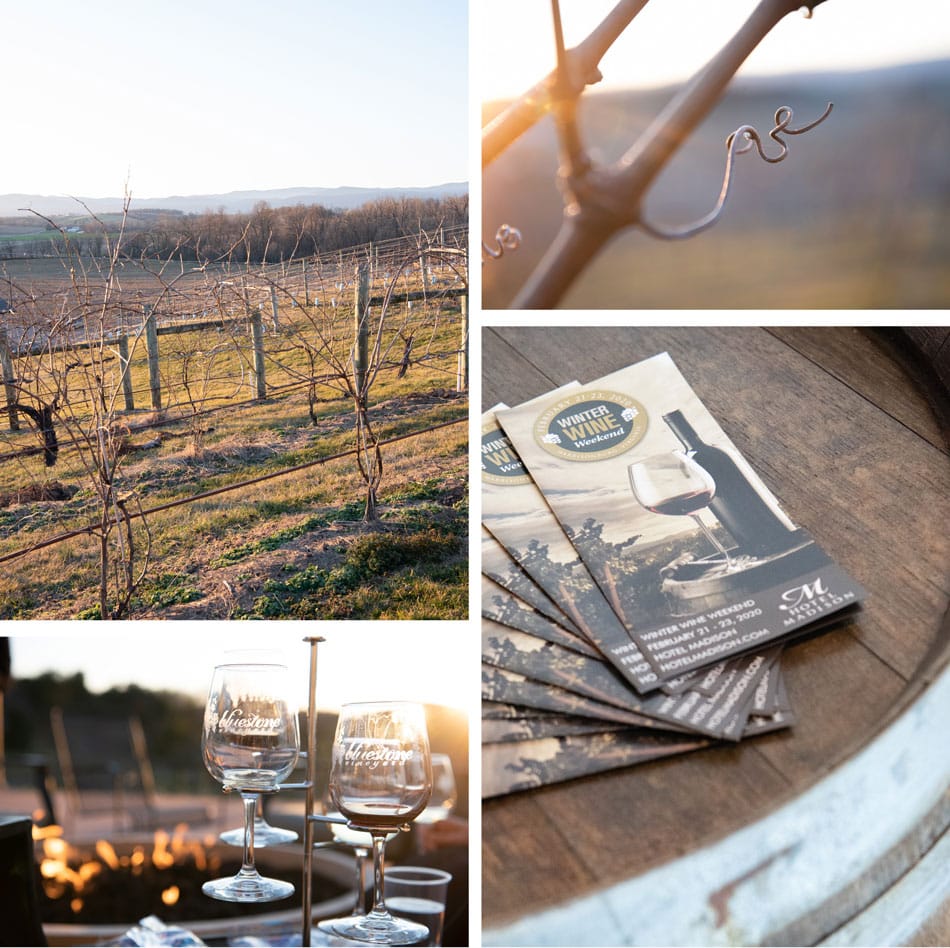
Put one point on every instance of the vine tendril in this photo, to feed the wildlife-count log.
(749, 139)
(506, 238)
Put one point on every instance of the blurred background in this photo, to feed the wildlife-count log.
(857, 214)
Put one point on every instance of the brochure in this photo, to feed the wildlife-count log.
(523, 765)
(509, 687)
(687, 545)
(532, 729)
(515, 512)
(499, 566)
(721, 714)
(501, 606)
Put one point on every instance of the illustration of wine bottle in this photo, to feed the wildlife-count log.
(757, 527)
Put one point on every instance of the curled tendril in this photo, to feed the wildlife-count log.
(749, 139)
(506, 238)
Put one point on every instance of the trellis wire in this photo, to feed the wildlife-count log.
(96, 528)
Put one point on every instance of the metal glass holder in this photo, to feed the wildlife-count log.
(310, 754)
(306, 889)
(307, 785)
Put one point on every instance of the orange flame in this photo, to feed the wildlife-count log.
(107, 854)
(162, 858)
(65, 875)
(46, 832)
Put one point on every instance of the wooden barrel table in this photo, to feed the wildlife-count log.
(831, 832)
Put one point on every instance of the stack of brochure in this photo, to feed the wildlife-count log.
(639, 582)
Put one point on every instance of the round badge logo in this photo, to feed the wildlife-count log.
(591, 425)
(500, 464)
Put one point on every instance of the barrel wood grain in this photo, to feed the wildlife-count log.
(847, 439)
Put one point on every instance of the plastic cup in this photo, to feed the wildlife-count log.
(418, 893)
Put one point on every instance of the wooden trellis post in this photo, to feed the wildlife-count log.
(151, 345)
(424, 267)
(306, 284)
(361, 326)
(461, 381)
(273, 305)
(123, 343)
(257, 336)
(6, 368)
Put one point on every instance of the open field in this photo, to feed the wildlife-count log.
(292, 546)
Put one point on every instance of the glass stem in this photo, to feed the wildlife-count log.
(379, 859)
(712, 538)
(250, 808)
(361, 855)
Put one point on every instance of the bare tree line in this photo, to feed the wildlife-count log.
(265, 235)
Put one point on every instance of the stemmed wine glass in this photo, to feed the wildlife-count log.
(676, 485)
(360, 842)
(444, 791)
(250, 744)
(380, 779)
(264, 833)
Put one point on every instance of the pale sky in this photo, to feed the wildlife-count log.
(434, 662)
(671, 39)
(205, 97)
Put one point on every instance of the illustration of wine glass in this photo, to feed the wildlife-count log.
(674, 484)
(380, 779)
(249, 744)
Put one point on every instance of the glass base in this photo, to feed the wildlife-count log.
(265, 835)
(376, 930)
(248, 888)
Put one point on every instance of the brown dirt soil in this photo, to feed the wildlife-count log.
(52, 490)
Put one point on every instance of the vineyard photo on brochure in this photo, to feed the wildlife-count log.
(639, 581)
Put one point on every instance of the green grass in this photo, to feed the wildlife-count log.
(275, 540)
(418, 575)
(168, 589)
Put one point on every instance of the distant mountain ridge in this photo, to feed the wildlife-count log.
(233, 202)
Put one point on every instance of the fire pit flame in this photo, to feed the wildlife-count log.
(162, 857)
(65, 871)
(107, 854)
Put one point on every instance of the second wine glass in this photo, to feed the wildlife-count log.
(444, 791)
(250, 744)
(264, 833)
(380, 779)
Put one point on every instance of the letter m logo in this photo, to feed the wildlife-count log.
(797, 595)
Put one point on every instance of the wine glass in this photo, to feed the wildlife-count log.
(360, 842)
(250, 744)
(380, 779)
(674, 484)
(264, 833)
(444, 792)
